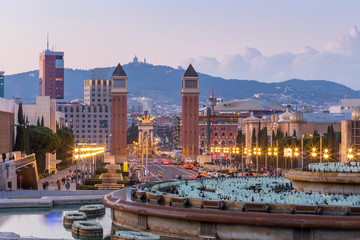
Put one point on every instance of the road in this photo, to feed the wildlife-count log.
(53, 178)
(169, 172)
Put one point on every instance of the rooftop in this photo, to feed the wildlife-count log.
(119, 71)
(190, 72)
(248, 105)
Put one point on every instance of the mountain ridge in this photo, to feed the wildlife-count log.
(163, 85)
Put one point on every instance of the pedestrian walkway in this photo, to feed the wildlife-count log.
(53, 178)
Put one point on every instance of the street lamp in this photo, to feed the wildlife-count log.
(296, 154)
(326, 153)
(321, 135)
(313, 153)
(350, 154)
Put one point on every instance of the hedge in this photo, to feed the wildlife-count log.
(125, 182)
(93, 181)
(87, 187)
(101, 170)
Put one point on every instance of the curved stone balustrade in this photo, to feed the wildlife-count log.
(325, 182)
(237, 220)
(340, 167)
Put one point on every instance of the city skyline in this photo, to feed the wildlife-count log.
(262, 40)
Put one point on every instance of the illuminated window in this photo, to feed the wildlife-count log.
(59, 79)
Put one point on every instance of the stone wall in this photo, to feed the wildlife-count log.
(7, 174)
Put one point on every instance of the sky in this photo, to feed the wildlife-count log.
(265, 40)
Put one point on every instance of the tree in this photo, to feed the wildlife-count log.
(43, 140)
(132, 134)
(294, 133)
(253, 137)
(240, 138)
(42, 120)
(38, 122)
(64, 151)
(22, 142)
(263, 140)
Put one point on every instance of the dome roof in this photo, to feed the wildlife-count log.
(285, 117)
(355, 114)
(252, 118)
(297, 117)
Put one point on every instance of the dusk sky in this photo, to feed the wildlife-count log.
(262, 40)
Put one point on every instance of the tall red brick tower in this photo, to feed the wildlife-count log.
(118, 115)
(190, 114)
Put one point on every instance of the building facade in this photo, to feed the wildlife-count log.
(350, 135)
(119, 115)
(2, 84)
(89, 124)
(97, 92)
(190, 114)
(7, 122)
(51, 74)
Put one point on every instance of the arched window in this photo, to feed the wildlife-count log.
(216, 143)
(202, 134)
(223, 134)
(230, 134)
(215, 134)
(230, 143)
(223, 143)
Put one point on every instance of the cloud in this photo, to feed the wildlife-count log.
(339, 62)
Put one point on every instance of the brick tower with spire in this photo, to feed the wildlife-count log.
(119, 114)
(190, 114)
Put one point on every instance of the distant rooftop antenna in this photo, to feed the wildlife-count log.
(47, 41)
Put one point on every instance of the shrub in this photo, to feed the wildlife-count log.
(87, 187)
(124, 174)
(125, 182)
(101, 170)
(93, 181)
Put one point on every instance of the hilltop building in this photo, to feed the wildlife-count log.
(51, 74)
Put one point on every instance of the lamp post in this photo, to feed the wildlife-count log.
(296, 154)
(242, 159)
(302, 151)
(277, 157)
(313, 153)
(321, 135)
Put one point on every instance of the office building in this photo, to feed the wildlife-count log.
(2, 86)
(97, 92)
(89, 124)
(51, 74)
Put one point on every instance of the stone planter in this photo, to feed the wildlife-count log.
(93, 210)
(87, 230)
(71, 217)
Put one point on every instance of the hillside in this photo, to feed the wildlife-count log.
(163, 84)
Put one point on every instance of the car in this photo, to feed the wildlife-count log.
(155, 161)
(164, 161)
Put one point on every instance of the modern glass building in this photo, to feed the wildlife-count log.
(2, 90)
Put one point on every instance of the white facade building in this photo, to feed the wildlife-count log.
(346, 106)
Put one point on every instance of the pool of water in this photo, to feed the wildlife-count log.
(46, 223)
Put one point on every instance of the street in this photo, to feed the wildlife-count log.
(168, 171)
